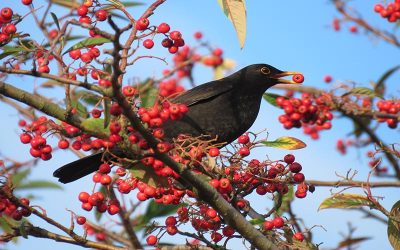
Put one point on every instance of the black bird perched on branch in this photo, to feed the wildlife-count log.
(222, 109)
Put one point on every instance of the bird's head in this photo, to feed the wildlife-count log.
(267, 75)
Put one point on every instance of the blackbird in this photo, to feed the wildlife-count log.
(223, 109)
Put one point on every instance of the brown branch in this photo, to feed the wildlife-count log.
(38, 232)
(126, 222)
(46, 107)
(351, 183)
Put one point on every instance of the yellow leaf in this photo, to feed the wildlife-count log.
(235, 10)
(285, 142)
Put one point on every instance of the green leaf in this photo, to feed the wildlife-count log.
(235, 10)
(393, 230)
(147, 175)
(55, 20)
(6, 223)
(345, 201)
(40, 184)
(271, 98)
(285, 142)
(18, 177)
(256, 221)
(87, 97)
(88, 42)
(22, 230)
(107, 115)
(96, 124)
(80, 108)
(73, 4)
(118, 4)
(155, 210)
(149, 97)
(286, 200)
(362, 91)
(380, 85)
(8, 51)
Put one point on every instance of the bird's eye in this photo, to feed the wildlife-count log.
(265, 70)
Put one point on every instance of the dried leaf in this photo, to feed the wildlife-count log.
(235, 10)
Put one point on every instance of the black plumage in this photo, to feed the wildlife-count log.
(223, 109)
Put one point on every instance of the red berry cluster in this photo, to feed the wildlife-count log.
(173, 39)
(390, 107)
(169, 88)
(12, 210)
(99, 201)
(336, 25)
(87, 8)
(308, 112)
(391, 12)
(8, 29)
(155, 117)
(215, 59)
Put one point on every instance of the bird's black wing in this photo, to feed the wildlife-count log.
(204, 92)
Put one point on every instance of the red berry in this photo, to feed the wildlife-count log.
(175, 35)
(25, 138)
(198, 35)
(43, 69)
(83, 197)
(295, 167)
(81, 220)
(26, 2)
(378, 8)
(148, 43)
(75, 54)
(170, 221)
(82, 10)
(163, 28)
(298, 236)
(216, 237)
(6, 13)
(213, 152)
(353, 29)
(151, 240)
(166, 43)
(113, 209)
(101, 15)
(228, 231)
(173, 49)
(298, 177)
(244, 151)
(298, 78)
(268, 225)
(289, 158)
(244, 139)
(105, 179)
(142, 24)
(278, 222)
(328, 78)
(9, 29)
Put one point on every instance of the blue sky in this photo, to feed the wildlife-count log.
(290, 35)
